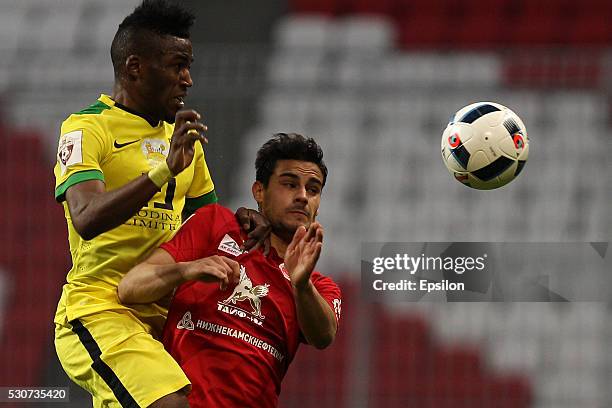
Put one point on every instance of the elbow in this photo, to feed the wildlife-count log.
(321, 345)
(84, 228)
(87, 234)
(123, 293)
(324, 341)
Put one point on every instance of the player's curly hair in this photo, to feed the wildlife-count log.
(161, 17)
(287, 146)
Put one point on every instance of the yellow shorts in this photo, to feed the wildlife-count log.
(113, 356)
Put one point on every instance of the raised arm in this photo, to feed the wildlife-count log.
(315, 316)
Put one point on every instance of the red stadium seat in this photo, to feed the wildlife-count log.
(425, 31)
(481, 24)
(409, 369)
(476, 32)
(457, 361)
(535, 30)
(554, 70)
(33, 250)
(590, 29)
(510, 391)
(384, 7)
(331, 7)
(400, 348)
(429, 7)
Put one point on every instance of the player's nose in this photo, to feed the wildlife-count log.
(300, 195)
(186, 79)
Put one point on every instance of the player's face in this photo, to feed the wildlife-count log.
(292, 196)
(167, 77)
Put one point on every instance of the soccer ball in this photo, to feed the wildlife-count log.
(485, 145)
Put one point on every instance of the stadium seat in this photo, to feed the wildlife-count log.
(400, 347)
(296, 69)
(316, 6)
(481, 25)
(11, 21)
(425, 32)
(307, 32)
(364, 34)
(107, 14)
(373, 7)
(592, 29)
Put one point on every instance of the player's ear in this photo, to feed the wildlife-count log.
(258, 190)
(133, 66)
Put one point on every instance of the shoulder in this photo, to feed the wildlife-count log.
(75, 122)
(96, 108)
(214, 210)
(216, 214)
(168, 128)
(200, 234)
(90, 119)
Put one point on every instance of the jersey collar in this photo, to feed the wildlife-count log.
(274, 256)
(109, 101)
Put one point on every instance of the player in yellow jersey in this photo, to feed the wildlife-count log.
(127, 167)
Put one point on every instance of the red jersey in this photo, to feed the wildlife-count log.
(234, 345)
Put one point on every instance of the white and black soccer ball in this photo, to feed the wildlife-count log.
(485, 145)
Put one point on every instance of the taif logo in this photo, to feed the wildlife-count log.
(245, 290)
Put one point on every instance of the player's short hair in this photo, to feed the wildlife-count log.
(136, 33)
(287, 146)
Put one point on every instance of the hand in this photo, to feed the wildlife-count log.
(303, 253)
(258, 228)
(212, 269)
(182, 148)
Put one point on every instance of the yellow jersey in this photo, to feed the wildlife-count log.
(107, 142)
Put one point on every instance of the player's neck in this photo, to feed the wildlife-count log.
(124, 100)
(279, 245)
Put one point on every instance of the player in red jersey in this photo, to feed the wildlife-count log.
(237, 318)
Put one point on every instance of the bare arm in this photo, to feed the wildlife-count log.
(159, 274)
(95, 210)
(316, 318)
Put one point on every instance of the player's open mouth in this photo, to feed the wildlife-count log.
(180, 101)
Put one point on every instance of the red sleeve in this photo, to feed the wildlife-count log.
(330, 291)
(196, 237)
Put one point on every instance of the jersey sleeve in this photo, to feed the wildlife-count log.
(194, 240)
(202, 189)
(330, 292)
(81, 149)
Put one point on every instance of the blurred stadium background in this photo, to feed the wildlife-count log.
(374, 81)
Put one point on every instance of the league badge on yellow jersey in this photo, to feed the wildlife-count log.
(70, 150)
